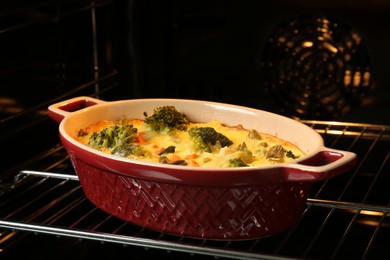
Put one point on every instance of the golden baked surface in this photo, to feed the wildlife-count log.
(242, 148)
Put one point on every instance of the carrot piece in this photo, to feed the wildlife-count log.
(159, 150)
(140, 138)
(193, 163)
(192, 156)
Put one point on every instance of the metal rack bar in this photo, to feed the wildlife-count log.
(135, 241)
(374, 235)
(310, 201)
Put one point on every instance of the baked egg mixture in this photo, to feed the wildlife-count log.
(238, 147)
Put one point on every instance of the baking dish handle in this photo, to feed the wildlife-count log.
(60, 110)
(324, 165)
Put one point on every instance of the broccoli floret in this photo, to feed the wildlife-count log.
(129, 149)
(253, 134)
(166, 118)
(113, 136)
(290, 154)
(244, 153)
(276, 153)
(236, 162)
(206, 139)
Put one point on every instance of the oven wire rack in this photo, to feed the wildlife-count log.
(339, 210)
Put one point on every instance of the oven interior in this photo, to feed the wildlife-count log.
(227, 51)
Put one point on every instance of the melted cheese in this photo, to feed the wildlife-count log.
(155, 143)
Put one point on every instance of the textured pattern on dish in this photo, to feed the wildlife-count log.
(200, 212)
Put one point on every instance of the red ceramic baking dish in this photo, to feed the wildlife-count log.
(210, 203)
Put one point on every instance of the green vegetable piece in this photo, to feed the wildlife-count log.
(237, 162)
(129, 149)
(290, 154)
(253, 134)
(113, 136)
(276, 153)
(166, 118)
(207, 139)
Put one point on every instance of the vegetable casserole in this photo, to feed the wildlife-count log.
(168, 136)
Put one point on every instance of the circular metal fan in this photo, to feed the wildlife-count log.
(315, 68)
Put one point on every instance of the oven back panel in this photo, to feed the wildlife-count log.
(222, 51)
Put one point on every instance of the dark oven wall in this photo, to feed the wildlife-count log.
(221, 51)
(52, 51)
